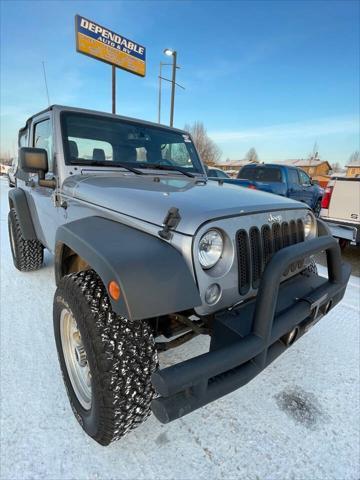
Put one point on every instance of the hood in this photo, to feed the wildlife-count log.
(149, 197)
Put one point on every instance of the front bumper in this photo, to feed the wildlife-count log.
(248, 338)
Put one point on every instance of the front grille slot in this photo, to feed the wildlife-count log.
(243, 261)
(267, 244)
(293, 233)
(256, 247)
(256, 256)
(276, 231)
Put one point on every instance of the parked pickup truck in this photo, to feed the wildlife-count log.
(148, 255)
(341, 209)
(287, 181)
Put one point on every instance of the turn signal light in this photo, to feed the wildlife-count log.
(114, 290)
(252, 187)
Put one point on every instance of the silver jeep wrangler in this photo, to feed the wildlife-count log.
(148, 255)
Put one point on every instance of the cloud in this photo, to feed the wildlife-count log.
(309, 129)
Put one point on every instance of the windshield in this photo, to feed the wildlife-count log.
(261, 174)
(97, 140)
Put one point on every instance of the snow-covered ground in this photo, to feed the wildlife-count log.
(299, 419)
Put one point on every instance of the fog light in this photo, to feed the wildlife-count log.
(212, 294)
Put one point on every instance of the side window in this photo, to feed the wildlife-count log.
(221, 174)
(42, 139)
(304, 178)
(293, 176)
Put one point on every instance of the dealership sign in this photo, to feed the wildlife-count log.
(103, 44)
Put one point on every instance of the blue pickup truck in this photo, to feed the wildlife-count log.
(282, 180)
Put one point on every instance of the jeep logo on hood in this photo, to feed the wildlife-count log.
(274, 218)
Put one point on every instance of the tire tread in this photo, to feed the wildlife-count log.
(124, 353)
(29, 254)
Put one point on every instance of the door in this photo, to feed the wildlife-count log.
(294, 187)
(44, 213)
(307, 189)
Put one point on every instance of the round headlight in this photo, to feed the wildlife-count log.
(309, 226)
(211, 247)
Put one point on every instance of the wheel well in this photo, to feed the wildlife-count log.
(68, 261)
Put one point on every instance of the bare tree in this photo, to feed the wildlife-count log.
(336, 167)
(252, 156)
(209, 152)
(355, 157)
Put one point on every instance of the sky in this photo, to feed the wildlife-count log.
(279, 76)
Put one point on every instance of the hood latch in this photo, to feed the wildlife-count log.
(171, 221)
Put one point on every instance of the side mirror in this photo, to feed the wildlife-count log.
(33, 160)
(314, 182)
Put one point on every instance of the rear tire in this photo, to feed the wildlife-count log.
(119, 354)
(27, 255)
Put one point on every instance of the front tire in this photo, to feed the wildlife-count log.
(28, 255)
(317, 209)
(113, 393)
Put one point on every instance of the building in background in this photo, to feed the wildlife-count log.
(319, 170)
(232, 167)
(353, 169)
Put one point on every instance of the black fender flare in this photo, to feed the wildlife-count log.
(153, 276)
(18, 201)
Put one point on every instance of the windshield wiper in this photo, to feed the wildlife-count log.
(96, 163)
(157, 166)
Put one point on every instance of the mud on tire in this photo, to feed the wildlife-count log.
(121, 354)
(27, 255)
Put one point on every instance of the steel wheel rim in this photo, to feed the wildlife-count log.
(75, 357)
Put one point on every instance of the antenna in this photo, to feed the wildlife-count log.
(46, 86)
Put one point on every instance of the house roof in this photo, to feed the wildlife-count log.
(234, 163)
(306, 162)
(355, 163)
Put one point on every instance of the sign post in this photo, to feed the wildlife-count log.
(107, 46)
(113, 88)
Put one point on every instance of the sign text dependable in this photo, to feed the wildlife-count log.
(99, 42)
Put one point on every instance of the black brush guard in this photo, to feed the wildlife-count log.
(248, 338)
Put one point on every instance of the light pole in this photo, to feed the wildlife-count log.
(159, 104)
(172, 53)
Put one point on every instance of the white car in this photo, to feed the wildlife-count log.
(341, 209)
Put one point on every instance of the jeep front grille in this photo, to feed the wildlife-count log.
(256, 247)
